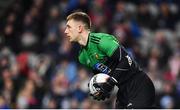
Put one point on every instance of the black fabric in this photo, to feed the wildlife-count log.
(138, 92)
(112, 61)
(122, 65)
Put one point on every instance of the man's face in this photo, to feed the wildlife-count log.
(72, 30)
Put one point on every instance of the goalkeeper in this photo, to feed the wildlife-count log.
(103, 54)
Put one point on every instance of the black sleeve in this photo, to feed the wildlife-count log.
(112, 61)
(118, 62)
(116, 55)
(123, 65)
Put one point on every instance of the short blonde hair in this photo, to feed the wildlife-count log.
(80, 16)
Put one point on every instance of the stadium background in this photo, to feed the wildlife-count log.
(39, 67)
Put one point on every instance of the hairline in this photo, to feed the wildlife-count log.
(69, 17)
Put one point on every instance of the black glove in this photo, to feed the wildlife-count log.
(104, 89)
(100, 96)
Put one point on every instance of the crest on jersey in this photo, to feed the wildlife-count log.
(96, 56)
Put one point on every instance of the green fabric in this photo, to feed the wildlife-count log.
(99, 46)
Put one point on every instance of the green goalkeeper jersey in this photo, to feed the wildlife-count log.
(98, 47)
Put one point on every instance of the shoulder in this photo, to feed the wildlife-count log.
(102, 37)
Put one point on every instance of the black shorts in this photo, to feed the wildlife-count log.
(137, 92)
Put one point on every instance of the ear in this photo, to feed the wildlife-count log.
(80, 28)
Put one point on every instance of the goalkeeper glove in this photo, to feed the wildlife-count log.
(104, 89)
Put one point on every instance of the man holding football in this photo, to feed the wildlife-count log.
(104, 54)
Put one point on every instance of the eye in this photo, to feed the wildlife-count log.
(68, 27)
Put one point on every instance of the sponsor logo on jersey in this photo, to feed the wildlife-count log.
(129, 60)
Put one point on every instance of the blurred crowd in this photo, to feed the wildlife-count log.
(39, 66)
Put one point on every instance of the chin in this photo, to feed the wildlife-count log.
(71, 40)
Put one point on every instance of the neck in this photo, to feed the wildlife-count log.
(84, 38)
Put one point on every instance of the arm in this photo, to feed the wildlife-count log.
(109, 46)
(110, 63)
(106, 88)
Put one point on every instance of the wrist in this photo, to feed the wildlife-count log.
(112, 81)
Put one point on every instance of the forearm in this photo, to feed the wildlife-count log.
(109, 65)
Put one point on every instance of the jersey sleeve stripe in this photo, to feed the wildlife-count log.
(95, 39)
(94, 42)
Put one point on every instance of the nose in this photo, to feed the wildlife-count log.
(65, 31)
